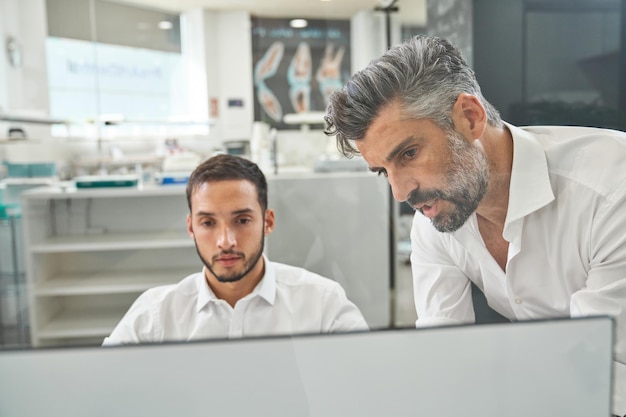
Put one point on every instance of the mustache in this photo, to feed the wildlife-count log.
(418, 197)
(228, 252)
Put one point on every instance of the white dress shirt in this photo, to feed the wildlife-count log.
(566, 228)
(287, 301)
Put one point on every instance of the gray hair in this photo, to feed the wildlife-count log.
(424, 74)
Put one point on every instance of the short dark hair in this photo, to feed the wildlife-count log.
(226, 167)
(424, 74)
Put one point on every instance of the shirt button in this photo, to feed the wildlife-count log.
(518, 301)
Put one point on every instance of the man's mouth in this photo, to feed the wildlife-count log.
(426, 204)
(428, 208)
(227, 260)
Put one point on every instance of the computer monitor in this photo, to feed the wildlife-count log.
(547, 368)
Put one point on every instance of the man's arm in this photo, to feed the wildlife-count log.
(605, 289)
(341, 314)
(442, 292)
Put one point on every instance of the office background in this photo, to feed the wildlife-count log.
(93, 86)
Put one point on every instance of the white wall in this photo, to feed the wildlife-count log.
(234, 66)
(26, 87)
(218, 47)
(194, 50)
(24, 90)
(4, 97)
(367, 35)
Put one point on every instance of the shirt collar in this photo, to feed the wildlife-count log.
(266, 288)
(530, 187)
(205, 293)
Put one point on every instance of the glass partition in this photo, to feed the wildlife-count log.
(131, 81)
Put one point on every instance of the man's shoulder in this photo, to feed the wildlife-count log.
(571, 131)
(294, 276)
(591, 157)
(564, 140)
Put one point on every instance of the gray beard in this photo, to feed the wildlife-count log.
(466, 185)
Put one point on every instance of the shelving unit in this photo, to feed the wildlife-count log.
(89, 253)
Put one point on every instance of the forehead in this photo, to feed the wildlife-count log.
(390, 130)
(229, 195)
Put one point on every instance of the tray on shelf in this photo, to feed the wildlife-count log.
(98, 181)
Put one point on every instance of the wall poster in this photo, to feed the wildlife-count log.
(296, 70)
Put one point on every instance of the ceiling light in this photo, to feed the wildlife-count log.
(298, 23)
(165, 25)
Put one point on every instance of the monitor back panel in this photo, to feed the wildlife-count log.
(543, 368)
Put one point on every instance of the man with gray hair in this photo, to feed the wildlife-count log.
(535, 217)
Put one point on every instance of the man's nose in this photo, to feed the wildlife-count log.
(226, 238)
(400, 186)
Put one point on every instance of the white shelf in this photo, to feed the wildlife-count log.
(30, 181)
(98, 161)
(68, 190)
(104, 282)
(4, 117)
(90, 252)
(113, 242)
(76, 323)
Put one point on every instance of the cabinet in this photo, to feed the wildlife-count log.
(89, 253)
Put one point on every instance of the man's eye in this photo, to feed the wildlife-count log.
(208, 223)
(244, 221)
(382, 171)
(409, 154)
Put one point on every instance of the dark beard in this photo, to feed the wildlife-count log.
(234, 278)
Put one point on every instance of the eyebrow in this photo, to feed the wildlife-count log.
(397, 150)
(236, 212)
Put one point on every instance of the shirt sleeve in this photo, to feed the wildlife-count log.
(605, 289)
(442, 292)
(341, 314)
(138, 324)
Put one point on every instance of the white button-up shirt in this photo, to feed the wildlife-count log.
(287, 301)
(566, 228)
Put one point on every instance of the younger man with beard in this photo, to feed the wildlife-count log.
(535, 217)
(240, 292)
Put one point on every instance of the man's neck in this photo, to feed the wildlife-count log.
(231, 292)
(498, 147)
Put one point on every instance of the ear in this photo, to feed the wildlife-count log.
(189, 227)
(469, 116)
(269, 222)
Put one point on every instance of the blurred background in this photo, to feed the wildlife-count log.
(107, 106)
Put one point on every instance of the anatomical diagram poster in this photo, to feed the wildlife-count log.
(296, 69)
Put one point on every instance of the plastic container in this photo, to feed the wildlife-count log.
(42, 170)
(106, 181)
(27, 170)
(172, 178)
(17, 170)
